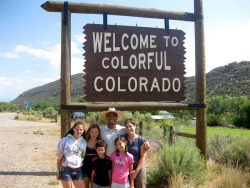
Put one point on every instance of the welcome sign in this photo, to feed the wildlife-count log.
(126, 63)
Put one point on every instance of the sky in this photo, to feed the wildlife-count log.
(30, 37)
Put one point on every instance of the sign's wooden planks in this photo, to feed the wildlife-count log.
(126, 63)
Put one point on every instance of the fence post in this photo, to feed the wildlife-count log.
(140, 128)
(171, 135)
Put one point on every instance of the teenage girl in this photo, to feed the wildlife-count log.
(122, 165)
(72, 147)
(92, 136)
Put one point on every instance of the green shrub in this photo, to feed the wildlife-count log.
(16, 117)
(229, 150)
(214, 120)
(180, 158)
(94, 117)
(49, 112)
(243, 118)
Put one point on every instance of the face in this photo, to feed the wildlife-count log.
(94, 132)
(120, 146)
(101, 151)
(78, 131)
(130, 128)
(111, 118)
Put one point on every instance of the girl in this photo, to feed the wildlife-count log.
(122, 165)
(137, 149)
(92, 136)
(73, 148)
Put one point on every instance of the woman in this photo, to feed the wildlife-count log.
(137, 148)
(72, 147)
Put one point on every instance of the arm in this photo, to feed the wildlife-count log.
(92, 178)
(58, 164)
(143, 152)
(131, 180)
(113, 164)
(110, 178)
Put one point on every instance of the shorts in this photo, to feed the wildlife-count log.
(117, 185)
(69, 174)
(98, 186)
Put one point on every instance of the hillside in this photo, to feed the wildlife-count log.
(231, 80)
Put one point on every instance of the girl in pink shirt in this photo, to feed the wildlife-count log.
(122, 165)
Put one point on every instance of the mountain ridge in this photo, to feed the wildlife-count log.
(231, 80)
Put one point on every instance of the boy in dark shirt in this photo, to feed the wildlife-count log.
(101, 167)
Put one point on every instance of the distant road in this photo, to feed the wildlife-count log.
(8, 120)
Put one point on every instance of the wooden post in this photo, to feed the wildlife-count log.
(140, 128)
(171, 135)
(65, 70)
(200, 72)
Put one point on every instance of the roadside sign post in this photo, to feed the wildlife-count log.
(25, 103)
(30, 104)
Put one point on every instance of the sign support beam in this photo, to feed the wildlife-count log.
(65, 69)
(200, 80)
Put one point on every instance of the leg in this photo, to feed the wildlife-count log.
(86, 182)
(66, 184)
(78, 183)
(141, 178)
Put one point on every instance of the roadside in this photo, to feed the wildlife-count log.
(27, 153)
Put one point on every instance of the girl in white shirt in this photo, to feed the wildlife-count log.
(73, 148)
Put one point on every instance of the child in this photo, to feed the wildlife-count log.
(101, 167)
(122, 165)
(92, 136)
(72, 147)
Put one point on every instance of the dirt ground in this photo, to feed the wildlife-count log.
(28, 153)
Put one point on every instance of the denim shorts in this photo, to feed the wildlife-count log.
(117, 185)
(69, 174)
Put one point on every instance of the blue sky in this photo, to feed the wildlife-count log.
(30, 37)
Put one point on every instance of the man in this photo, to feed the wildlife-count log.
(111, 130)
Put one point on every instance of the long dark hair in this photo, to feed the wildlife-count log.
(71, 131)
(122, 139)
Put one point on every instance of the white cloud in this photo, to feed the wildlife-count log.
(77, 65)
(51, 54)
(81, 38)
(5, 82)
(227, 44)
(10, 55)
(75, 49)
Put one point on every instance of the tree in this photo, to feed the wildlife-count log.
(41, 106)
(243, 118)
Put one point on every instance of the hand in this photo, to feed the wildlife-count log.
(133, 174)
(146, 146)
(63, 160)
(57, 176)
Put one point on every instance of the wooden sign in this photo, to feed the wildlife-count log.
(133, 64)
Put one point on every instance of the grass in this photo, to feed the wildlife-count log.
(38, 132)
(53, 183)
(222, 130)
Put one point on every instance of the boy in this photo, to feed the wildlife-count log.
(101, 167)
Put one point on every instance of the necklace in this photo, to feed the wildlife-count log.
(132, 140)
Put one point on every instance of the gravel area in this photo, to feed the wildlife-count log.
(28, 153)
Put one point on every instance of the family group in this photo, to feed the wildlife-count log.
(110, 156)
